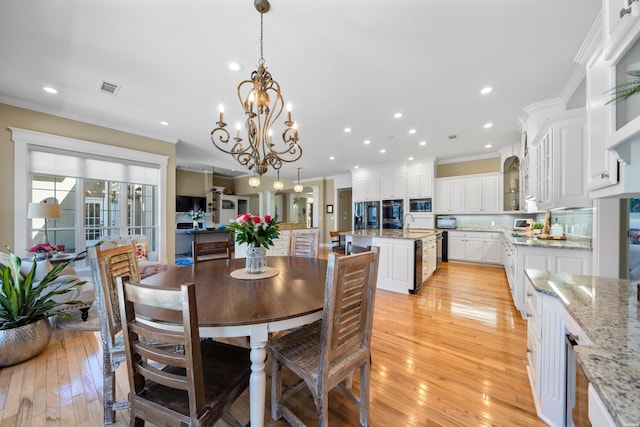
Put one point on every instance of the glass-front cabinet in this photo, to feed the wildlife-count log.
(610, 52)
(511, 183)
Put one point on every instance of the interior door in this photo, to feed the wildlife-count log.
(344, 209)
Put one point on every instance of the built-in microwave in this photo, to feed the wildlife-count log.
(420, 205)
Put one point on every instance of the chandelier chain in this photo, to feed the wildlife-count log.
(261, 60)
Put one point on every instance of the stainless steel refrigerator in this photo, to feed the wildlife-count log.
(366, 215)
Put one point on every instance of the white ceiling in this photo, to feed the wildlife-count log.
(341, 63)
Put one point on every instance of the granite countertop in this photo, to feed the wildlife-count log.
(414, 234)
(607, 311)
(580, 243)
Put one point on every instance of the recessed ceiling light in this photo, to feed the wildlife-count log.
(423, 142)
(486, 90)
(383, 151)
(488, 125)
(347, 130)
(49, 89)
(366, 141)
(397, 115)
(235, 66)
(165, 123)
(488, 146)
(410, 158)
(331, 158)
(356, 167)
(412, 131)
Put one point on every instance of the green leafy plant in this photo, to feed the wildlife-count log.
(23, 302)
(255, 230)
(537, 226)
(625, 90)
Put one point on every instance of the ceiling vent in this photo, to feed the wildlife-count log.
(110, 88)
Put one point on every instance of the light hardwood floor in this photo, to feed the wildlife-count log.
(453, 355)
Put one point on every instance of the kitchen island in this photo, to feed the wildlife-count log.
(604, 314)
(407, 258)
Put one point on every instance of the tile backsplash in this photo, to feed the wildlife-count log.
(577, 222)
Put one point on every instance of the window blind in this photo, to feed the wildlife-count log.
(118, 170)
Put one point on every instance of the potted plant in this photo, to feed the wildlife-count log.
(26, 305)
(537, 227)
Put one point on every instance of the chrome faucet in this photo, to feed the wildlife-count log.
(406, 223)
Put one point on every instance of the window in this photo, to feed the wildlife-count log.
(108, 209)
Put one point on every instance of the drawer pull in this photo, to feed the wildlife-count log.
(529, 351)
(624, 11)
(529, 315)
(604, 175)
(529, 294)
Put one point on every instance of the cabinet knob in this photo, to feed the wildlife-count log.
(624, 11)
(529, 315)
(604, 175)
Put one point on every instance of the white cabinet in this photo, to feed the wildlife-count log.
(472, 194)
(392, 187)
(449, 195)
(396, 266)
(367, 189)
(419, 185)
(482, 194)
(613, 128)
(572, 261)
(481, 247)
(281, 245)
(561, 174)
(429, 256)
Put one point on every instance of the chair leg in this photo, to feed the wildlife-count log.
(109, 395)
(365, 376)
(323, 409)
(84, 313)
(136, 422)
(276, 388)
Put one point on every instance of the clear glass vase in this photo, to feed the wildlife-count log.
(256, 259)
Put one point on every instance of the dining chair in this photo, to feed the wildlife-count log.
(304, 245)
(208, 251)
(195, 387)
(355, 249)
(106, 266)
(326, 352)
(336, 242)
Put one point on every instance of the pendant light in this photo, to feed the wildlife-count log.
(254, 181)
(277, 184)
(298, 187)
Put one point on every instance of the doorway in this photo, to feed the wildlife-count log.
(344, 209)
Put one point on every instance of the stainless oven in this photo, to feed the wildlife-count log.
(420, 205)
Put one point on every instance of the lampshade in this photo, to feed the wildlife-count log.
(43, 210)
(278, 184)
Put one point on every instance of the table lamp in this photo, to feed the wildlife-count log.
(44, 210)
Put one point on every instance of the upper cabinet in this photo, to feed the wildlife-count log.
(392, 187)
(613, 129)
(419, 185)
(561, 174)
(469, 194)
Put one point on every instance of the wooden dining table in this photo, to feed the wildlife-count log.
(230, 307)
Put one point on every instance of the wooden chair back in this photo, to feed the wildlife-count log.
(107, 265)
(348, 307)
(168, 384)
(354, 249)
(188, 377)
(304, 245)
(207, 251)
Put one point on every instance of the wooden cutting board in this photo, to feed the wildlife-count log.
(550, 237)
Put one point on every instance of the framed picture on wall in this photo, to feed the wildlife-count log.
(329, 208)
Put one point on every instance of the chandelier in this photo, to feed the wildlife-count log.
(262, 103)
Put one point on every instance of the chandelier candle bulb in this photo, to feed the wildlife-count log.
(221, 109)
(289, 111)
(238, 127)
